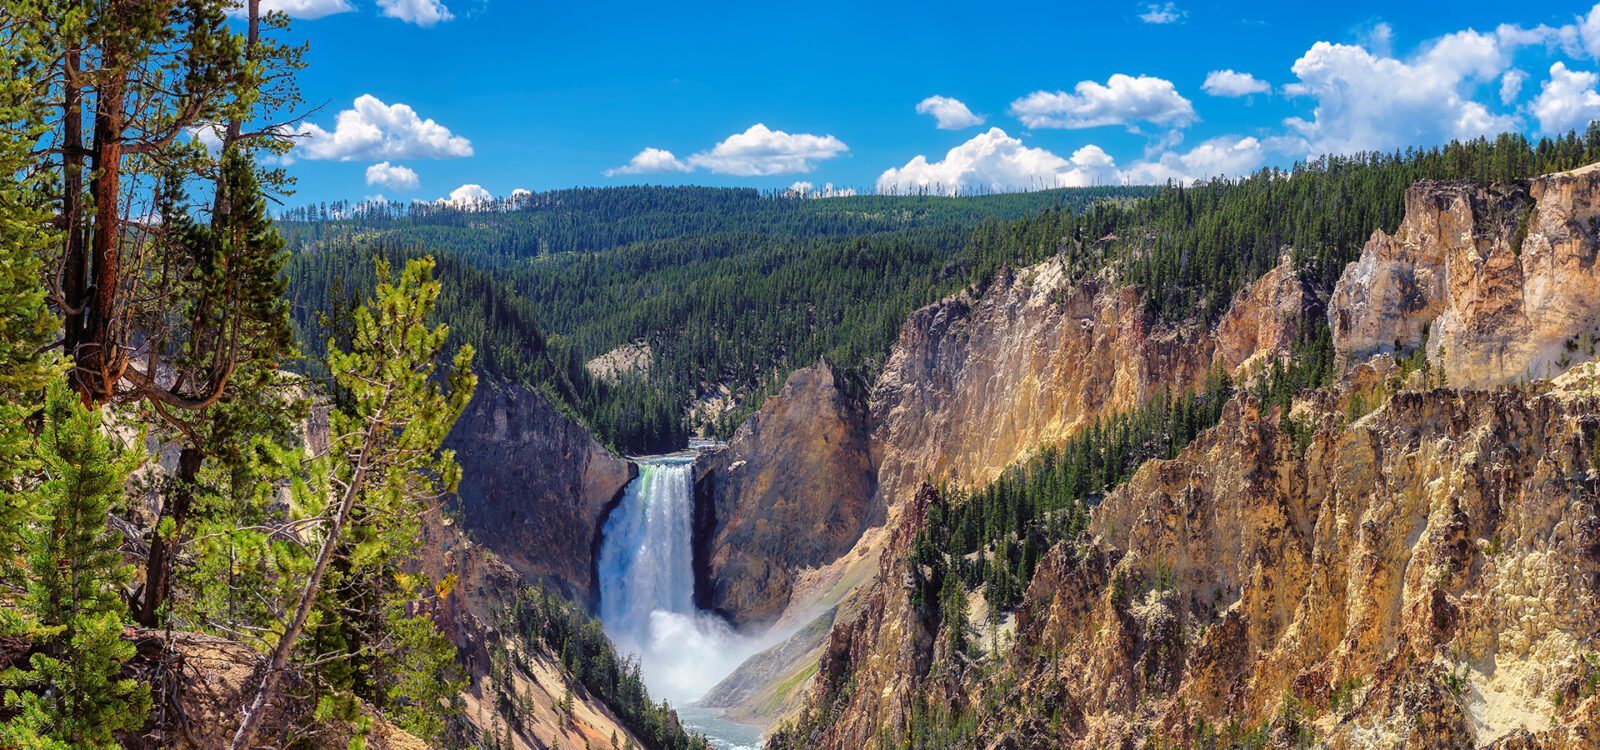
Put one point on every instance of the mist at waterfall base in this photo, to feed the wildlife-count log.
(647, 587)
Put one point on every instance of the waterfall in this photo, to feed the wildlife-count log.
(647, 586)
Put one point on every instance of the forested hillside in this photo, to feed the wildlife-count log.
(1476, 225)
(731, 289)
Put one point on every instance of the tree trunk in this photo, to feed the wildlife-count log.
(158, 566)
(100, 357)
(75, 262)
(279, 660)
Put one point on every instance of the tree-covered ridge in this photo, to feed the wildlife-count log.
(736, 288)
(594, 219)
(733, 288)
(485, 313)
(1191, 247)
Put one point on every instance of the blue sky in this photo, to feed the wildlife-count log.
(421, 97)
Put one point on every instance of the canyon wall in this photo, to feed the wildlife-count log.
(1504, 281)
(977, 383)
(974, 384)
(793, 489)
(1426, 575)
(535, 487)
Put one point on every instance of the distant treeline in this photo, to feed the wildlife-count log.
(738, 288)
(729, 287)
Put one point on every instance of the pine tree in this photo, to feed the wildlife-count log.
(232, 331)
(383, 464)
(954, 611)
(75, 574)
(25, 234)
(420, 664)
(129, 84)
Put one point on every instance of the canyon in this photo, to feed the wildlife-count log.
(1423, 575)
(1407, 558)
(1252, 567)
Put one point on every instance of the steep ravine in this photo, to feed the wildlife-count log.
(1426, 575)
(535, 487)
(974, 384)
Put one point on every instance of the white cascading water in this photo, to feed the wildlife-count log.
(647, 586)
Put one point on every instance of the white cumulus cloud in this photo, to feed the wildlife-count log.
(761, 151)
(1511, 85)
(468, 196)
(1161, 13)
(650, 161)
(1230, 156)
(1374, 102)
(995, 162)
(1588, 32)
(392, 176)
(949, 114)
(804, 189)
(1233, 83)
(1568, 101)
(372, 130)
(423, 13)
(1121, 100)
(303, 9)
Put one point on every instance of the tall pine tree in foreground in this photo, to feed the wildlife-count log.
(72, 610)
(383, 463)
(26, 365)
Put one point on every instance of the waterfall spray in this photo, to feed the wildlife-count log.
(647, 586)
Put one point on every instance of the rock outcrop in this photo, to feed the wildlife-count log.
(1426, 577)
(629, 359)
(535, 486)
(1503, 281)
(972, 385)
(793, 489)
(1265, 320)
(975, 384)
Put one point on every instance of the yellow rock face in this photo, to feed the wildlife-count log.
(1436, 565)
(1505, 281)
(1426, 576)
(792, 490)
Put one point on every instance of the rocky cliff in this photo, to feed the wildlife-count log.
(1503, 281)
(976, 383)
(793, 489)
(535, 486)
(1427, 576)
(1424, 575)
